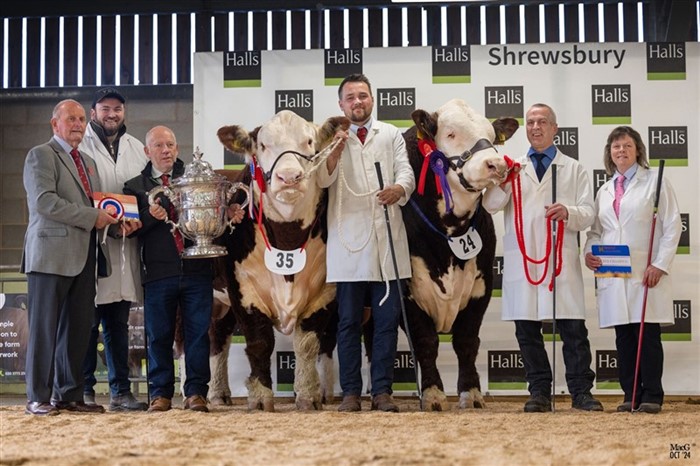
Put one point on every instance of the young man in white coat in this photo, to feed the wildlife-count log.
(620, 300)
(119, 157)
(358, 257)
(527, 303)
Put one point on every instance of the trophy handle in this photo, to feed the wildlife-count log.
(229, 194)
(152, 201)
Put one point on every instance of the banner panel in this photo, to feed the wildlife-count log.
(592, 87)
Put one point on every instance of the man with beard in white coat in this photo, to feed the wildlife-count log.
(358, 257)
(119, 157)
(528, 303)
(620, 299)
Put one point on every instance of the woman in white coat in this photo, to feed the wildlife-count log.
(620, 300)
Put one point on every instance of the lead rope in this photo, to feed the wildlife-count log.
(344, 183)
(518, 222)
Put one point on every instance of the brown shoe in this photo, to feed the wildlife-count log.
(350, 404)
(78, 407)
(196, 403)
(384, 402)
(159, 404)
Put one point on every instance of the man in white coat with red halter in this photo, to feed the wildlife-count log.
(527, 302)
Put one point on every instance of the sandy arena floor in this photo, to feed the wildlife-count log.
(500, 435)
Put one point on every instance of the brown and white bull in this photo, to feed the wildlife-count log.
(267, 286)
(452, 240)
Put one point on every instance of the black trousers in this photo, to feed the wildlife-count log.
(61, 311)
(576, 350)
(651, 363)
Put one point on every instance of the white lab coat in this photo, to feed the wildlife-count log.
(620, 299)
(521, 300)
(358, 246)
(125, 281)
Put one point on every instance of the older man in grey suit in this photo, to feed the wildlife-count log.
(61, 253)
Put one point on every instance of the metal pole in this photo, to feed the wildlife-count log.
(378, 167)
(659, 178)
(554, 292)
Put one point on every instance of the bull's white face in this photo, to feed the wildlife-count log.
(459, 129)
(288, 183)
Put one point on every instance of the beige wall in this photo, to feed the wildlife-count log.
(24, 123)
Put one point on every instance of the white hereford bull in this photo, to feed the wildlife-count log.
(268, 286)
(451, 285)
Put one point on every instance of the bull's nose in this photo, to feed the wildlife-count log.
(496, 165)
(289, 177)
(497, 168)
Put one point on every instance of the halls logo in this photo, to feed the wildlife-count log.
(684, 241)
(451, 65)
(506, 370)
(242, 69)
(286, 363)
(404, 372)
(395, 105)
(300, 102)
(566, 141)
(600, 177)
(612, 104)
(670, 143)
(497, 291)
(339, 63)
(681, 328)
(666, 61)
(606, 376)
(504, 101)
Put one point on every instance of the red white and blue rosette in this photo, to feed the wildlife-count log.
(113, 206)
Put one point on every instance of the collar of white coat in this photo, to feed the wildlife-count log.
(368, 125)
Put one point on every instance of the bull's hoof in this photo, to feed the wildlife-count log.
(266, 405)
(221, 400)
(327, 398)
(434, 399)
(304, 404)
(260, 397)
(471, 399)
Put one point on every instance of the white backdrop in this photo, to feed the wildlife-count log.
(567, 86)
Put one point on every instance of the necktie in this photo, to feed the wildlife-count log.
(361, 134)
(172, 214)
(81, 172)
(619, 191)
(540, 168)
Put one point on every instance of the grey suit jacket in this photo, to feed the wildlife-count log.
(61, 215)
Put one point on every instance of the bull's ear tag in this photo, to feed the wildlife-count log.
(285, 262)
(466, 246)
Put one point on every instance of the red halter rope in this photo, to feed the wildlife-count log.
(518, 222)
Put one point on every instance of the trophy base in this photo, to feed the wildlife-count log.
(204, 251)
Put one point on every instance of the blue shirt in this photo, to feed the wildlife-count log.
(629, 174)
(549, 154)
(66, 147)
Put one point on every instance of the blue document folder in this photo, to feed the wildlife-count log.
(616, 260)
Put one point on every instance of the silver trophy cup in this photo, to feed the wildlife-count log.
(201, 198)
